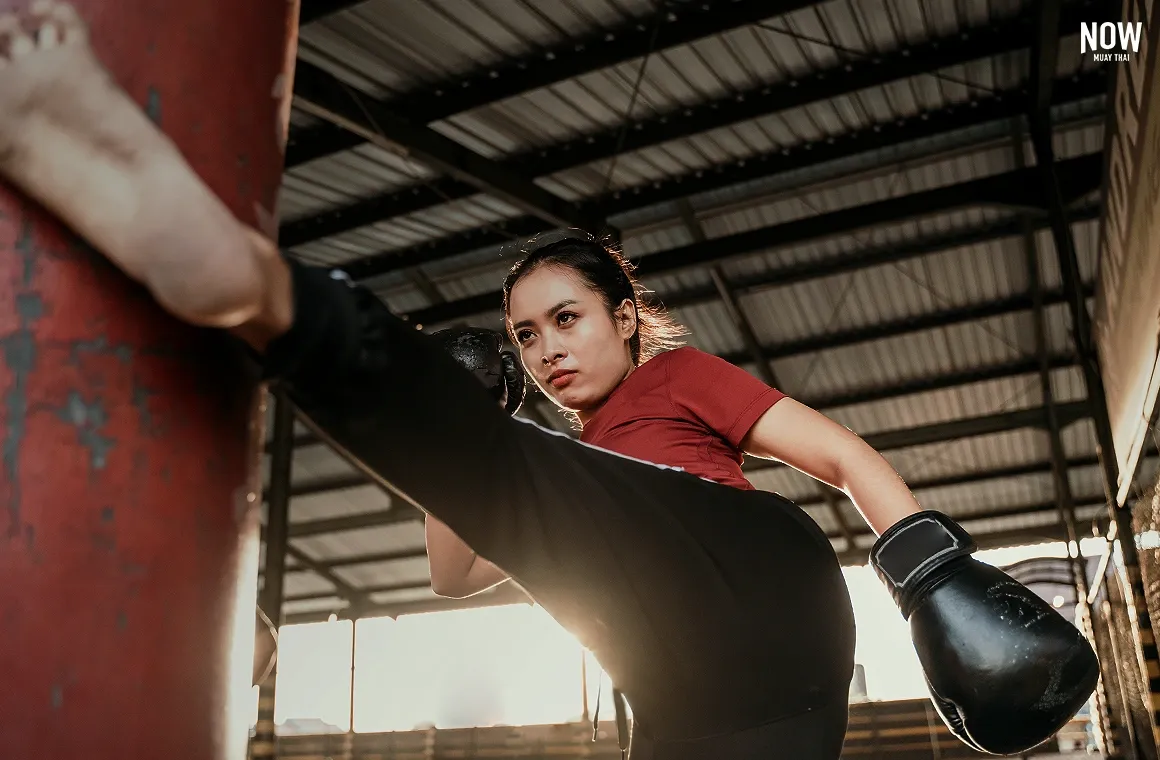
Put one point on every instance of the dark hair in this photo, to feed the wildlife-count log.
(605, 270)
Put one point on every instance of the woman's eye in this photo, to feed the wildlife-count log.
(565, 317)
(523, 336)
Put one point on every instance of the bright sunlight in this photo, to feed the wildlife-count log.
(514, 665)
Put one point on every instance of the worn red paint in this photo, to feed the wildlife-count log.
(123, 434)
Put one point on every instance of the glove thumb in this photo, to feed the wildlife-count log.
(953, 719)
(513, 377)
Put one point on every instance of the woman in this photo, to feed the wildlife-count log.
(751, 584)
(719, 611)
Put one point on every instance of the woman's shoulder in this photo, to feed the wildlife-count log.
(685, 356)
(680, 354)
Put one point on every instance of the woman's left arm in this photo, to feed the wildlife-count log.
(812, 443)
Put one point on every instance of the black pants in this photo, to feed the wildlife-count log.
(815, 735)
(713, 609)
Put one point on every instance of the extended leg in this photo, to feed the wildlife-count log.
(72, 139)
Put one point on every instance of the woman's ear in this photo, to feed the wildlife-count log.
(625, 318)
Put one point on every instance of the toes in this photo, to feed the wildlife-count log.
(48, 36)
(45, 25)
(68, 22)
(10, 28)
(20, 45)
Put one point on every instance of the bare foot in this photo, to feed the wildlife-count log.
(76, 142)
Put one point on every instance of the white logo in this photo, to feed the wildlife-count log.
(1098, 39)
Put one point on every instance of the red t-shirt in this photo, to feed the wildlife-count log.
(686, 409)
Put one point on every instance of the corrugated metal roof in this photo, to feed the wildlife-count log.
(398, 537)
(824, 332)
(1030, 520)
(967, 455)
(386, 573)
(975, 400)
(489, 265)
(317, 462)
(505, 127)
(299, 584)
(348, 501)
(1079, 439)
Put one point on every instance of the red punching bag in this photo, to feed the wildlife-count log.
(128, 446)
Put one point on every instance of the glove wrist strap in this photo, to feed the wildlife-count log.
(913, 551)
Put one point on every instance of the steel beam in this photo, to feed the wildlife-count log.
(1048, 55)
(276, 531)
(1019, 188)
(863, 258)
(940, 382)
(357, 598)
(759, 101)
(365, 591)
(778, 160)
(273, 572)
(907, 325)
(315, 10)
(1045, 53)
(400, 512)
(370, 558)
(668, 26)
(970, 427)
(322, 95)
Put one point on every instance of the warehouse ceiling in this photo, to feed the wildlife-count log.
(839, 197)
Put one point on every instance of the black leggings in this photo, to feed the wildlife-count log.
(712, 609)
(815, 735)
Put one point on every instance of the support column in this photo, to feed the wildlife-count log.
(1062, 483)
(128, 443)
(1146, 653)
(272, 596)
(348, 748)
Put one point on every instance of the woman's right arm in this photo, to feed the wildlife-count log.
(456, 570)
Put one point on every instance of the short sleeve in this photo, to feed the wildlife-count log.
(723, 396)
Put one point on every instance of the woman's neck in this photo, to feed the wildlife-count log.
(584, 415)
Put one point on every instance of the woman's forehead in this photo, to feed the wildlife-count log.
(545, 287)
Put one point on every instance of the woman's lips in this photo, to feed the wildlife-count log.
(561, 378)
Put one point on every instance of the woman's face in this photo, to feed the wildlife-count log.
(575, 351)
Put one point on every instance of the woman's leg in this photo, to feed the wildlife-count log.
(678, 585)
(641, 563)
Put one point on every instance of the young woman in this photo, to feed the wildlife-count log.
(719, 611)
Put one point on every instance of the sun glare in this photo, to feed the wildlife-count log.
(513, 665)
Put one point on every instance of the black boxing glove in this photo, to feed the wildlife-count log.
(1004, 669)
(480, 351)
